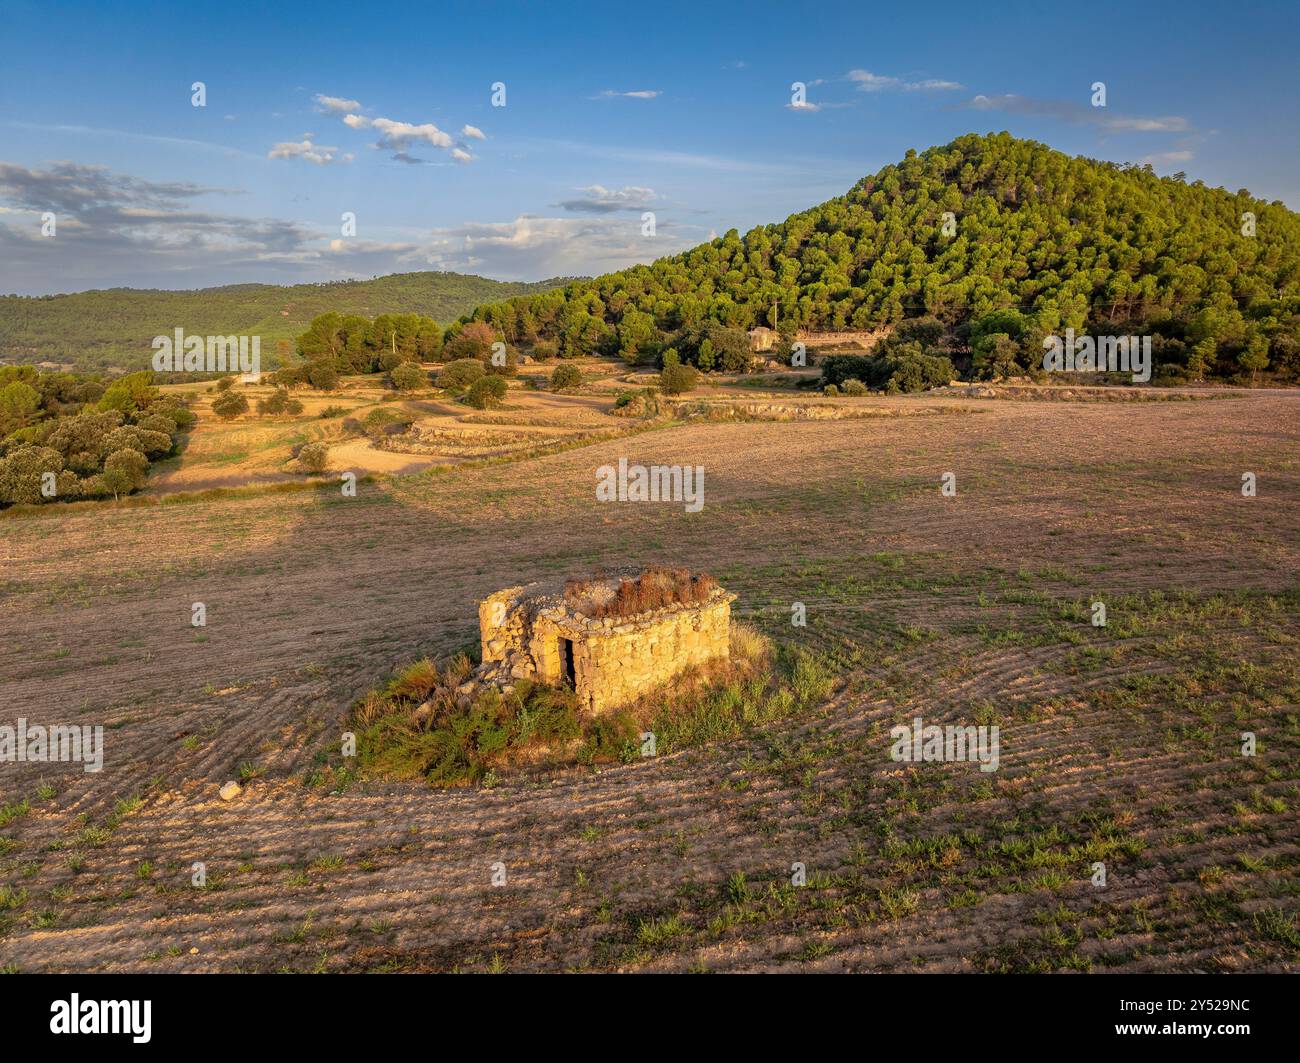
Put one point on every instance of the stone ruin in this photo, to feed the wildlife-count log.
(592, 637)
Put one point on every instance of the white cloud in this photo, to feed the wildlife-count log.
(304, 149)
(399, 135)
(597, 199)
(336, 104)
(638, 94)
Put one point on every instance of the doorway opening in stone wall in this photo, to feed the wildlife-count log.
(566, 662)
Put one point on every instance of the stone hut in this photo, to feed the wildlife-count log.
(550, 636)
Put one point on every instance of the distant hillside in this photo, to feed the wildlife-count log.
(114, 327)
(997, 242)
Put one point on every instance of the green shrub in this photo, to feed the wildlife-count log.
(678, 379)
(313, 457)
(565, 377)
(906, 367)
(408, 377)
(643, 403)
(486, 392)
(913, 371)
(381, 422)
(460, 374)
(279, 402)
(158, 422)
(124, 471)
(178, 415)
(459, 744)
(612, 736)
(323, 376)
(22, 473)
(230, 405)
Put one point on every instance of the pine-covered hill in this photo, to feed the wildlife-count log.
(1042, 242)
(114, 327)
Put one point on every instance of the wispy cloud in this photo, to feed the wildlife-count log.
(866, 81)
(666, 157)
(125, 134)
(1165, 158)
(531, 246)
(1079, 114)
(636, 94)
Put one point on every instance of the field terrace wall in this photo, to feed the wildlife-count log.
(532, 633)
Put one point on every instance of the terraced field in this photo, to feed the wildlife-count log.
(1119, 745)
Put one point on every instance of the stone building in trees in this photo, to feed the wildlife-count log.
(762, 338)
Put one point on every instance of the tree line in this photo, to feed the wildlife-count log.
(64, 436)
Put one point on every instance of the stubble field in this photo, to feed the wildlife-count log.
(1119, 745)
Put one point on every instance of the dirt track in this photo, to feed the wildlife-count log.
(312, 598)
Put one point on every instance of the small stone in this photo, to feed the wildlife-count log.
(231, 790)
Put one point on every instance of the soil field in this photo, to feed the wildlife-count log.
(1120, 745)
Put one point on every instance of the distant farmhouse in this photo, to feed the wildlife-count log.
(609, 638)
(762, 338)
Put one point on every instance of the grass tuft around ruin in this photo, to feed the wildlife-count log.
(416, 726)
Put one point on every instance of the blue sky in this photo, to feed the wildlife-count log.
(318, 109)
